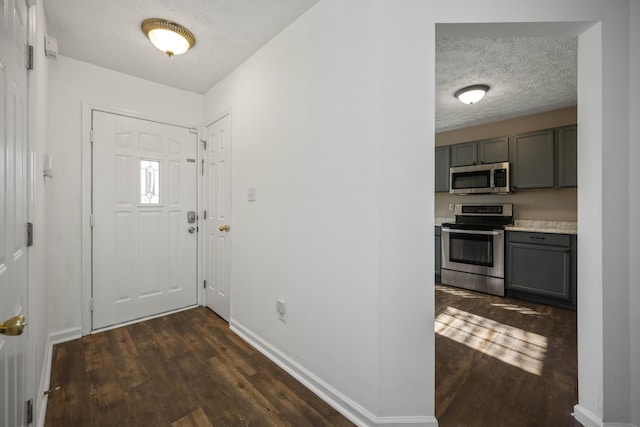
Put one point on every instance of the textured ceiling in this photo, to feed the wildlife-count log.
(107, 33)
(526, 75)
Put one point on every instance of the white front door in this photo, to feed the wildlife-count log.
(144, 196)
(13, 207)
(218, 216)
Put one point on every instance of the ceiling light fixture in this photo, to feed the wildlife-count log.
(471, 94)
(169, 37)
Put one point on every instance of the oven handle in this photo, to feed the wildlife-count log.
(463, 231)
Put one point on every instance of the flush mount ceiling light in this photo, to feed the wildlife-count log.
(169, 37)
(471, 94)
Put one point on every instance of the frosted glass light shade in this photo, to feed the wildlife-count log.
(472, 94)
(169, 37)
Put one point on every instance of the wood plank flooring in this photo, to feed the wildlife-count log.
(183, 370)
(503, 362)
(499, 362)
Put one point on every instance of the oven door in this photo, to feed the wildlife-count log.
(473, 251)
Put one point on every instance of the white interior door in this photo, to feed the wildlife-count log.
(13, 207)
(144, 247)
(218, 216)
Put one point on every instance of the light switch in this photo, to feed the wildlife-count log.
(251, 194)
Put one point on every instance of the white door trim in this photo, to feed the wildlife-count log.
(87, 108)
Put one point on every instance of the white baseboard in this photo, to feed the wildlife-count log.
(343, 404)
(45, 377)
(589, 419)
(65, 335)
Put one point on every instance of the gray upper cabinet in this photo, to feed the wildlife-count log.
(533, 160)
(464, 154)
(478, 152)
(493, 150)
(567, 157)
(442, 168)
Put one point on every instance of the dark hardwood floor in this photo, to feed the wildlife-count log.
(499, 362)
(503, 362)
(183, 370)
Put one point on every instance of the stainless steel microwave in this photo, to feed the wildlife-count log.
(480, 179)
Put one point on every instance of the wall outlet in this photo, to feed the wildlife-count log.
(251, 194)
(281, 307)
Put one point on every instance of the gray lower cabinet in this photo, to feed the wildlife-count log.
(542, 267)
(438, 250)
(532, 157)
(442, 168)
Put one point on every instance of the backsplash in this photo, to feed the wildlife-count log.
(539, 205)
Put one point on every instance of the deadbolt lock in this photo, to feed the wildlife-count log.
(191, 217)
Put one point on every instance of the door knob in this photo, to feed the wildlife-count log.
(224, 228)
(192, 230)
(13, 326)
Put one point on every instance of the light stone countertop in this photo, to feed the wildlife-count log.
(558, 227)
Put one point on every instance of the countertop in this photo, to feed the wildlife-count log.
(558, 227)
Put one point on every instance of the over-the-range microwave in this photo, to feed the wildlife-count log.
(480, 179)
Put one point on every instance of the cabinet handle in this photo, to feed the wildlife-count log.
(537, 237)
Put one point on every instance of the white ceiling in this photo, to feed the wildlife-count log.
(107, 33)
(526, 74)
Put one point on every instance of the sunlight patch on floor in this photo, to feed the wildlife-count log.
(515, 346)
(522, 310)
(457, 292)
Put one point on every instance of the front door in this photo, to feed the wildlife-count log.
(218, 216)
(145, 229)
(13, 207)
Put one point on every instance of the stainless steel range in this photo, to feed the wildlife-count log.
(473, 247)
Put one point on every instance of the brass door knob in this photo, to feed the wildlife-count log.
(13, 326)
(224, 228)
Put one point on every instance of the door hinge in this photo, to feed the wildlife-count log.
(90, 304)
(29, 410)
(91, 220)
(204, 144)
(205, 215)
(205, 284)
(202, 167)
(29, 57)
(29, 234)
(91, 136)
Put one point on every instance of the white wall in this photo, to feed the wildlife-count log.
(327, 137)
(304, 134)
(634, 208)
(70, 83)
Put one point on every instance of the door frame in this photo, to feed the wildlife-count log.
(86, 197)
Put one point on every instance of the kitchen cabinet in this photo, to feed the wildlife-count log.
(532, 158)
(442, 168)
(542, 267)
(477, 152)
(567, 165)
(438, 252)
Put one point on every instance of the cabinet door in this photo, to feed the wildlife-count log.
(494, 150)
(442, 168)
(438, 253)
(538, 269)
(532, 160)
(568, 156)
(464, 154)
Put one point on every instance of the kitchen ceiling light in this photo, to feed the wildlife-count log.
(471, 94)
(169, 37)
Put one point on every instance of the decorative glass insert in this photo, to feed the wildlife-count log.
(149, 182)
